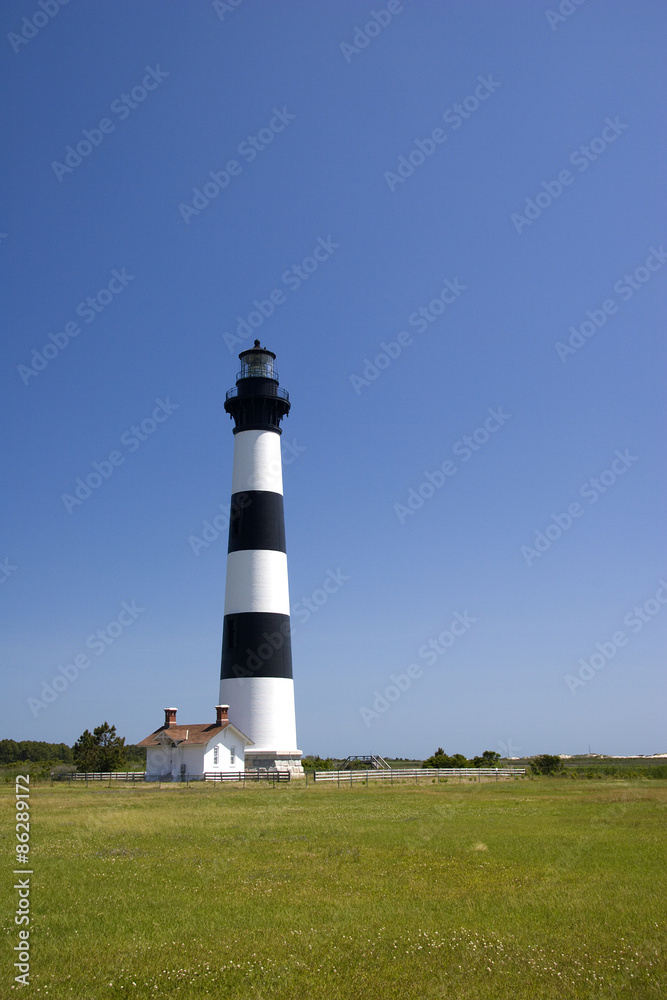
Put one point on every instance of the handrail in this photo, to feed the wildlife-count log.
(269, 392)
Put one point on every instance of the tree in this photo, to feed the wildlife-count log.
(458, 760)
(84, 752)
(112, 748)
(101, 750)
(547, 763)
(489, 758)
(440, 759)
(135, 757)
(9, 751)
(313, 763)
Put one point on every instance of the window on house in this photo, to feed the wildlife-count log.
(216, 755)
(232, 754)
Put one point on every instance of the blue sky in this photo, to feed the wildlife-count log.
(483, 182)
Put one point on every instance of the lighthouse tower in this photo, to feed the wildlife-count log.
(256, 673)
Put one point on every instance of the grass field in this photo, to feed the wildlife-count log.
(525, 889)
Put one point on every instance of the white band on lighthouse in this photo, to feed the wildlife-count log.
(257, 581)
(266, 705)
(257, 462)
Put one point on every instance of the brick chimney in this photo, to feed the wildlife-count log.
(169, 717)
(221, 714)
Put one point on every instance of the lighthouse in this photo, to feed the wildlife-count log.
(256, 671)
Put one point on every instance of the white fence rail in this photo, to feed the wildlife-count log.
(243, 776)
(247, 776)
(100, 776)
(407, 773)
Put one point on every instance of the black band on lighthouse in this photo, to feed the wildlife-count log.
(256, 644)
(257, 404)
(257, 521)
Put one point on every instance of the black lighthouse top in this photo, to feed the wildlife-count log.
(257, 402)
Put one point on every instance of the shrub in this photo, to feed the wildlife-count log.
(440, 759)
(547, 763)
(317, 764)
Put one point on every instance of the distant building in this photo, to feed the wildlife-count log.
(175, 751)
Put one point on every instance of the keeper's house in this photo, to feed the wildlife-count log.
(174, 752)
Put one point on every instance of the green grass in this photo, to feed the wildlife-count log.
(523, 890)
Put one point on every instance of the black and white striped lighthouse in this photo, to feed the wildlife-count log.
(256, 673)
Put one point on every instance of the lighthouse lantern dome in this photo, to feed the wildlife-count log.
(257, 362)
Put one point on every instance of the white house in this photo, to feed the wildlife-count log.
(174, 751)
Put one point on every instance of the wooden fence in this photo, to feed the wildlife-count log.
(109, 776)
(248, 776)
(100, 776)
(397, 774)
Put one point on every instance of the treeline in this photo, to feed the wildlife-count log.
(101, 750)
(439, 759)
(35, 751)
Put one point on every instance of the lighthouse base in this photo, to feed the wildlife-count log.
(274, 760)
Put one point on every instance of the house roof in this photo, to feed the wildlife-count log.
(199, 733)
